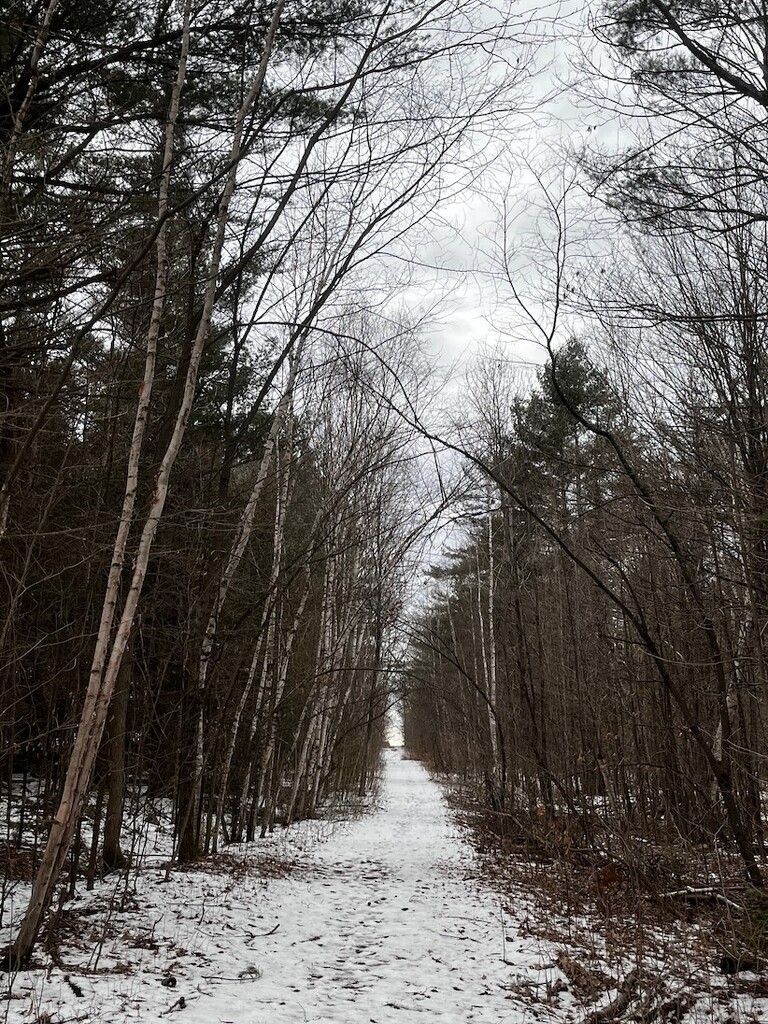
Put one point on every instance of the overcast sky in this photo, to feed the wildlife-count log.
(473, 312)
(457, 257)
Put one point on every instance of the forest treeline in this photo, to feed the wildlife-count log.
(593, 658)
(209, 502)
(215, 411)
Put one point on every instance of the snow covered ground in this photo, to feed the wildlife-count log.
(374, 920)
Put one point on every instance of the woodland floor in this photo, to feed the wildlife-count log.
(377, 919)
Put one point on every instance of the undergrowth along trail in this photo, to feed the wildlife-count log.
(382, 918)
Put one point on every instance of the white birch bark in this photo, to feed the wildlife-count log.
(337, 708)
(245, 525)
(235, 728)
(492, 722)
(303, 759)
(34, 77)
(245, 789)
(102, 683)
(283, 414)
(730, 712)
(340, 639)
(318, 750)
(490, 698)
(315, 705)
(325, 646)
(282, 675)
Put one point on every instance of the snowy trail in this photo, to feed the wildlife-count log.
(376, 924)
(385, 927)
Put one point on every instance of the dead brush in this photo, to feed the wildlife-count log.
(610, 881)
(18, 865)
(614, 904)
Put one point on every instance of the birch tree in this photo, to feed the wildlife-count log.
(145, 243)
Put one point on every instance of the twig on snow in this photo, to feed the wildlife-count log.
(619, 1004)
(694, 895)
(180, 1003)
(263, 935)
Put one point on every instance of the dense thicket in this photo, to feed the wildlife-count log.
(594, 656)
(205, 503)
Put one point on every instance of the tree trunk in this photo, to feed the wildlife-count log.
(112, 855)
(283, 415)
(102, 680)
